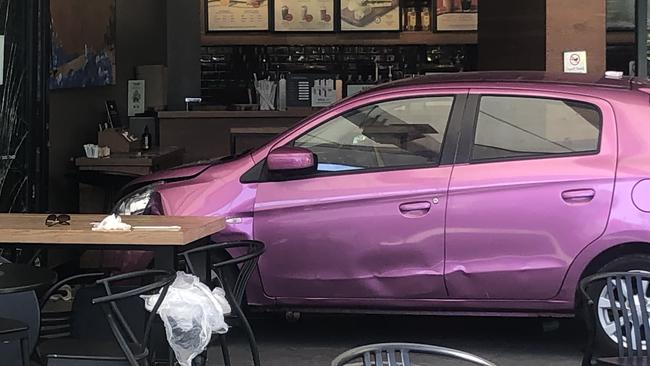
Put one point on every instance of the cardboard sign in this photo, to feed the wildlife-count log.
(575, 62)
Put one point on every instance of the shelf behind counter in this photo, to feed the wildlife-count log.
(206, 134)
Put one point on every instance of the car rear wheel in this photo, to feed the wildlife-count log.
(606, 340)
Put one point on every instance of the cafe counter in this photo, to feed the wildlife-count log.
(207, 134)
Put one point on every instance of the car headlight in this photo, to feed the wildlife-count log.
(136, 202)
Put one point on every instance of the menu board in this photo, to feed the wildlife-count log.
(370, 15)
(237, 15)
(457, 15)
(304, 15)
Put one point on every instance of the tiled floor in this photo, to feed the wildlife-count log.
(316, 340)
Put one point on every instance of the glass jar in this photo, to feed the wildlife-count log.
(410, 19)
(425, 19)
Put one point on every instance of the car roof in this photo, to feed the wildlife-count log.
(518, 77)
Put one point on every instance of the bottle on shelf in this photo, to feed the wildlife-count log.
(411, 19)
(282, 93)
(146, 139)
(425, 19)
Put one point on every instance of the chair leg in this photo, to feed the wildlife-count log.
(224, 349)
(171, 357)
(24, 349)
(249, 332)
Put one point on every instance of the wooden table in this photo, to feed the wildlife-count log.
(29, 230)
(134, 164)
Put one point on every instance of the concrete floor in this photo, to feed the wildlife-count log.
(316, 339)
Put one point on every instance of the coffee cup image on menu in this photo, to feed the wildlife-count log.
(305, 14)
(285, 14)
(324, 16)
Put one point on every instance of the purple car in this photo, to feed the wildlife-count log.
(472, 193)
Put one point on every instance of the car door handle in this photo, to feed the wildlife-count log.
(578, 195)
(414, 209)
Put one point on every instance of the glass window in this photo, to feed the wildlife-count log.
(399, 133)
(513, 127)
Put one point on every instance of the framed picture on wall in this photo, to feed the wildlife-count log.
(237, 15)
(457, 15)
(83, 50)
(303, 15)
(370, 15)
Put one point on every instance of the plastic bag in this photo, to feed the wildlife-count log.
(191, 314)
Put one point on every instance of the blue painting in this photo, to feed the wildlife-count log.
(83, 43)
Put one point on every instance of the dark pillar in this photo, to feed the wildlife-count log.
(512, 35)
(534, 34)
(576, 25)
(183, 51)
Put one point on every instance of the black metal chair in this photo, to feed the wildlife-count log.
(23, 307)
(398, 354)
(14, 331)
(627, 303)
(59, 324)
(245, 254)
(125, 348)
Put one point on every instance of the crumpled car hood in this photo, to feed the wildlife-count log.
(178, 173)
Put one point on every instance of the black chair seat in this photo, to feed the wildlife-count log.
(624, 361)
(12, 330)
(10, 326)
(71, 348)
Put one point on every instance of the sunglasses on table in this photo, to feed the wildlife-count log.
(52, 220)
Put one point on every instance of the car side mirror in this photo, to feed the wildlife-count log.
(289, 158)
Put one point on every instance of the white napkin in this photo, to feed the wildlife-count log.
(112, 223)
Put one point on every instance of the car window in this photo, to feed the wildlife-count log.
(398, 133)
(524, 127)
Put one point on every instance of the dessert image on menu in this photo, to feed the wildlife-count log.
(238, 15)
(303, 15)
(369, 15)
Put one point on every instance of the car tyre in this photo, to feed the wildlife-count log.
(633, 262)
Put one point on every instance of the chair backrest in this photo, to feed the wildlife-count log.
(624, 295)
(398, 354)
(60, 324)
(116, 320)
(245, 255)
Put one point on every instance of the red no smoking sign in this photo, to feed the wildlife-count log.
(574, 59)
(575, 62)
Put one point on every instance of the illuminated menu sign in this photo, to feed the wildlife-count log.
(304, 15)
(237, 15)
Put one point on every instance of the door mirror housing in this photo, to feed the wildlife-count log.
(289, 158)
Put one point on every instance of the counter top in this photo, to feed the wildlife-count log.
(293, 112)
(135, 158)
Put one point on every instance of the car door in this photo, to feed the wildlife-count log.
(532, 188)
(370, 222)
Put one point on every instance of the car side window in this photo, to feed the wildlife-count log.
(510, 127)
(397, 133)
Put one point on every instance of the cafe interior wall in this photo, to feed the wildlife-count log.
(75, 113)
